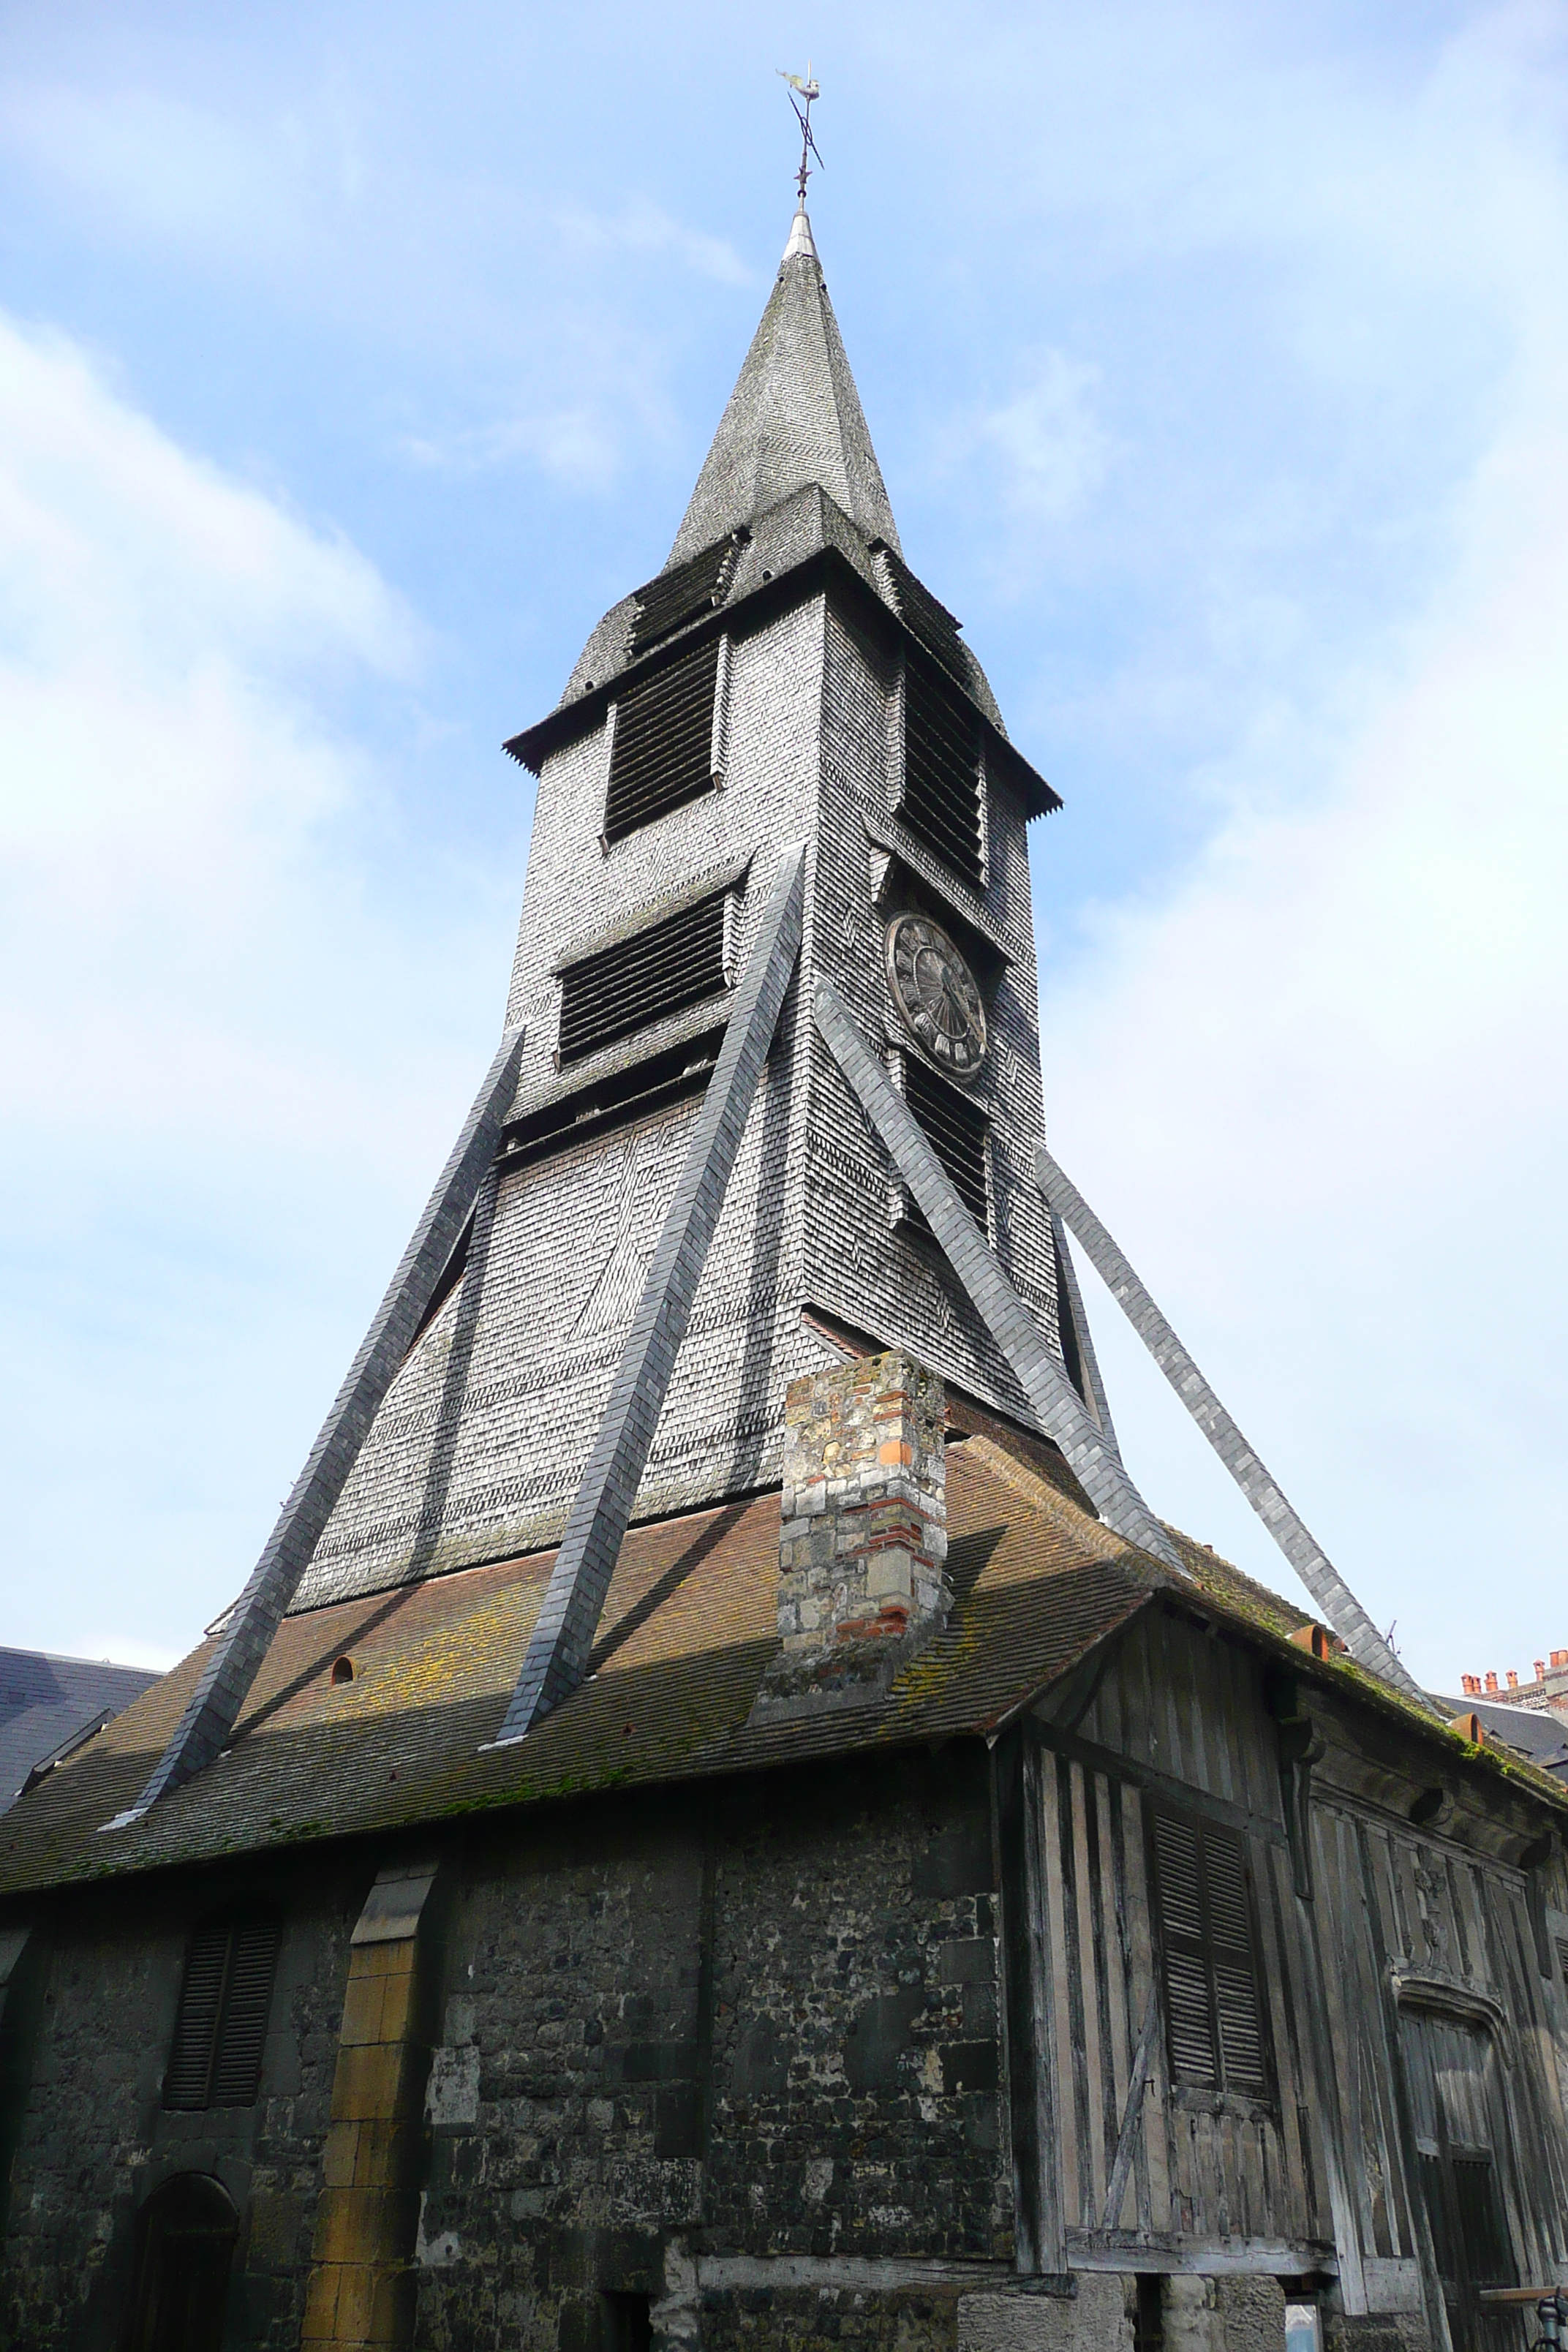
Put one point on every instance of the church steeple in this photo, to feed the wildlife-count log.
(795, 417)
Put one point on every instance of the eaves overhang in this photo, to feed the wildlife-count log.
(825, 568)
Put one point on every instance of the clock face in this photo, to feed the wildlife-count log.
(935, 992)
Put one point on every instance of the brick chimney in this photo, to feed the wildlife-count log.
(863, 1531)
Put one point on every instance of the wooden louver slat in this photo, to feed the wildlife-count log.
(674, 598)
(1214, 2011)
(940, 798)
(221, 2029)
(955, 1127)
(929, 621)
(640, 980)
(188, 2077)
(247, 1997)
(663, 749)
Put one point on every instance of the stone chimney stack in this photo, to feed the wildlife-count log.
(863, 1533)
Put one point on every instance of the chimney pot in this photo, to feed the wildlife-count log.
(1512, 1679)
(1491, 1682)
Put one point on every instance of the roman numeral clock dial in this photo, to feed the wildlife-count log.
(935, 992)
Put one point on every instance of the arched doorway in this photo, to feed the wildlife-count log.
(185, 2240)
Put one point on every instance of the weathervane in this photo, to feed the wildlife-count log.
(808, 89)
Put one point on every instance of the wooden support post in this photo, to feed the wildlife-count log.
(1310, 1562)
(363, 2277)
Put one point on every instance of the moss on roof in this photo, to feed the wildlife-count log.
(689, 1625)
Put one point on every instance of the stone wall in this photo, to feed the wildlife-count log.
(95, 2141)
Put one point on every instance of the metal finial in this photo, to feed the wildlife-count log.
(808, 89)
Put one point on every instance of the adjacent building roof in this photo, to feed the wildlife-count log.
(47, 1701)
(688, 1626)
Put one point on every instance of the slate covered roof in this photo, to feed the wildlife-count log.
(46, 1701)
(794, 417)
(688, 1627)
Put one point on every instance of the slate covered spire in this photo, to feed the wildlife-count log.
(794, 417)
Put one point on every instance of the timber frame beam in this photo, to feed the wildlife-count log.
(1306, 1557)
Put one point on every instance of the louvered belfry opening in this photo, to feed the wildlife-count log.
(221, 2029)
(656, 972)
(662, 754)
(923, 615)
(1214, 2032)
(941, 797)
(955, 1127)
(678, 597)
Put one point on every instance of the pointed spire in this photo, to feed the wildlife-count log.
(794, 417)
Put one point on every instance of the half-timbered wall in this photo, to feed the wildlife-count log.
(1147, 2165)
(1411, 1926)
(1408, 1935)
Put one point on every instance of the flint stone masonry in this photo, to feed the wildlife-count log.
(863, 1530)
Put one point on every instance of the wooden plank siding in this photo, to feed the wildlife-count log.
(1176, 1710)
(1323, 2171)
(1397, 1907)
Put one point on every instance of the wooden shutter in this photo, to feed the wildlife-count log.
(940, 796)
(189, 2074)
(662, 753)
(677, 597)
(221, 2029)
(638, 981)
(1215, 2030)
(242, 2028)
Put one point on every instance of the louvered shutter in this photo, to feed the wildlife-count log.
(676, 597)
(656, 972)
(242, 2028)
(1237, 2009)
(221, 2029)
(662, 751)
(941, 797)
(188, 2077)
(1213, 2012)
(1189, 2009)
(929, 620)
(955, 1127)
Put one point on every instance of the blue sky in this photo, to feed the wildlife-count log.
(353, 360)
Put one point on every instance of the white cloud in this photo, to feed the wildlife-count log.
(642, 227)
(1048, 438)
(216, 1051)
(1319, 1090)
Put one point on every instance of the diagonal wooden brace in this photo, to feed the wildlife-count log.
(1095, 1398)
(214, 1704)
(1328, 1588)
(1051, 1394)
(601, 1512)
